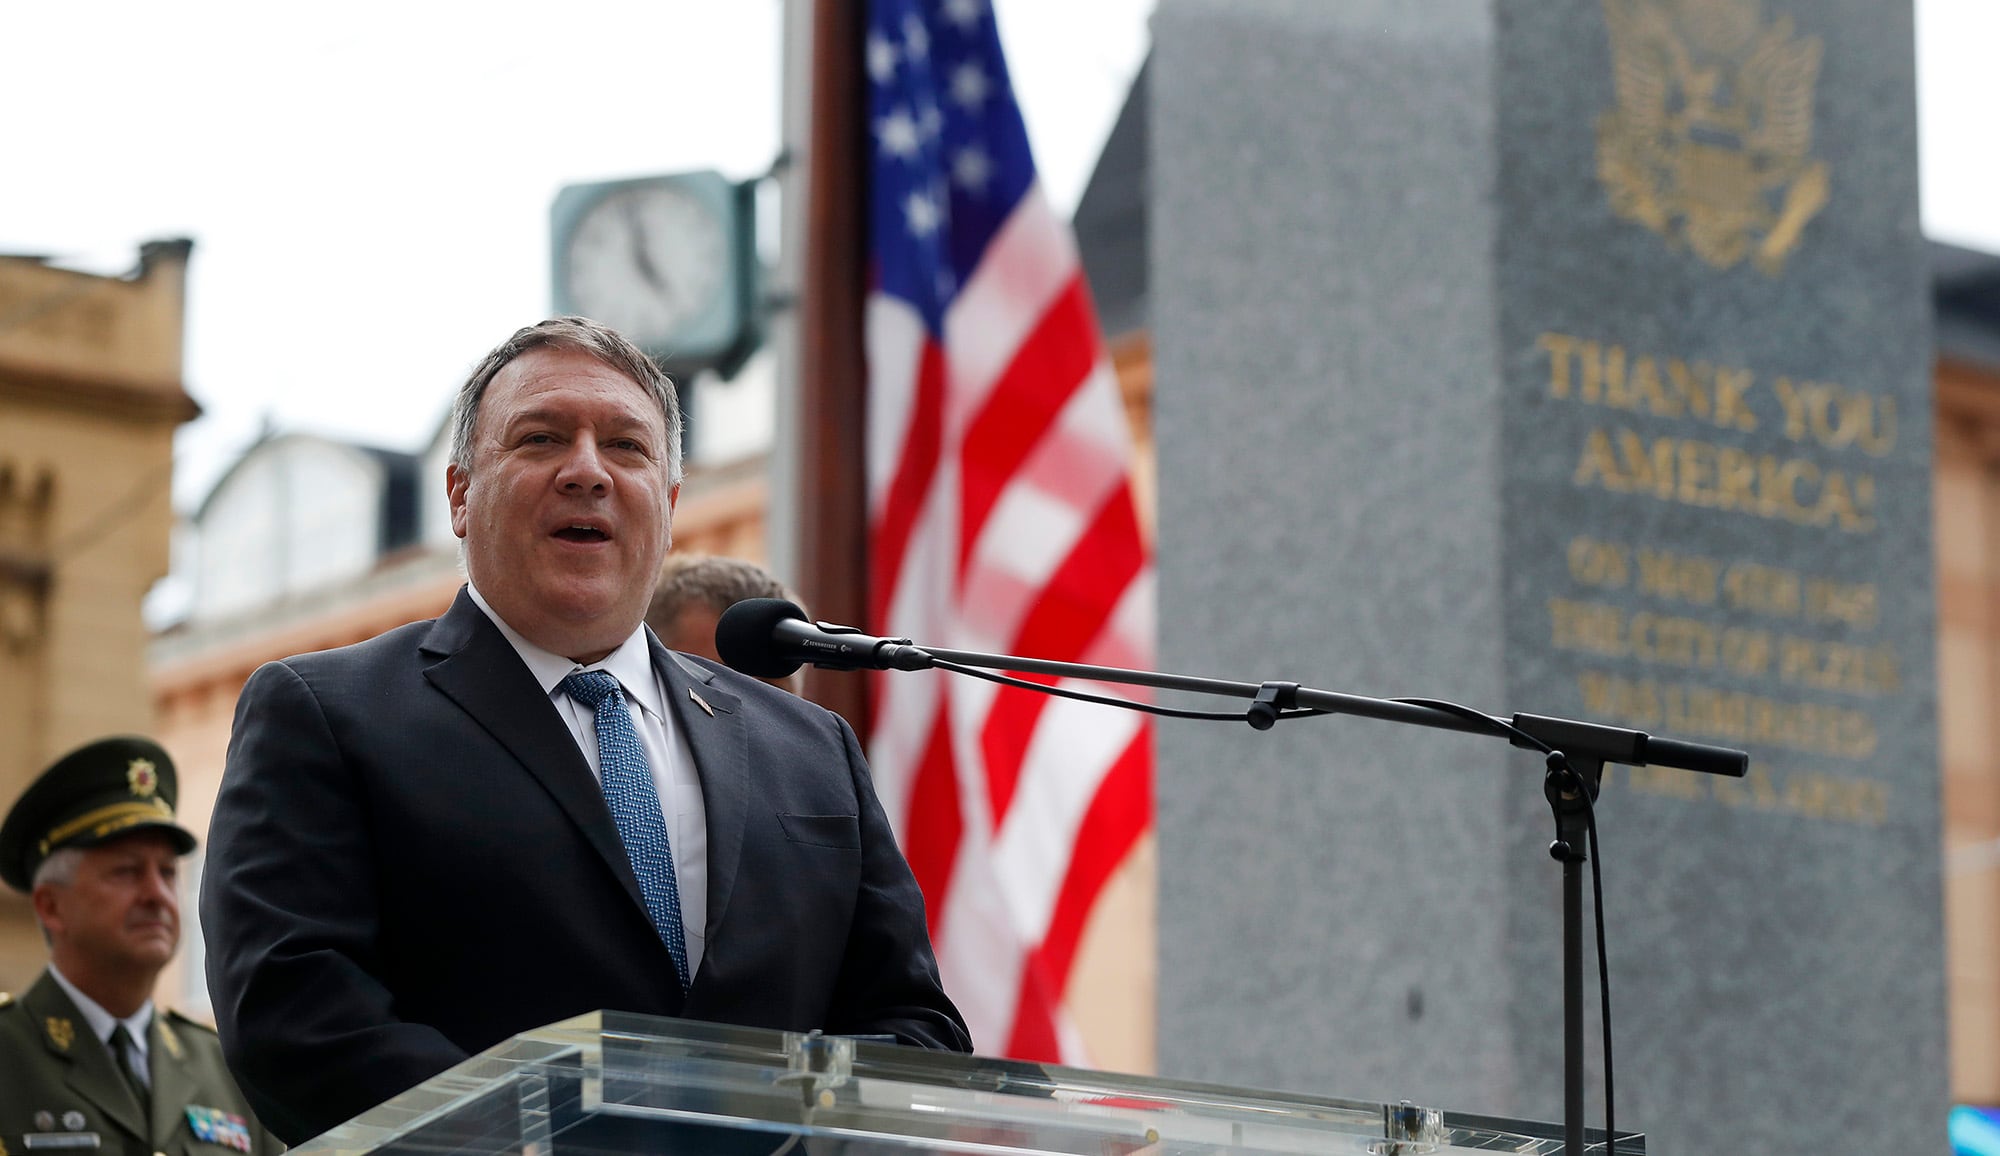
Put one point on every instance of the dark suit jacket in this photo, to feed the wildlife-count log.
(53, 1063)
(410, 861)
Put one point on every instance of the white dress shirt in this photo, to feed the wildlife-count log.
(667, 754)
(103, 1023)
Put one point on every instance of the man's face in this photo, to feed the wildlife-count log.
(122, 912)
(566, 510)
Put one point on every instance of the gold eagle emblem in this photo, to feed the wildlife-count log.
(1711, 140)
(142, 777)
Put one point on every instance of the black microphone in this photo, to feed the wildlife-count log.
(770, 638)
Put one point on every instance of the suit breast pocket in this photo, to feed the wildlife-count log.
(842, 831)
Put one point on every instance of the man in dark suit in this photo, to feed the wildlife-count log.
(528, 808)
(88, 1064)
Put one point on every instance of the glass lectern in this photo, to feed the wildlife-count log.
(611, 1084)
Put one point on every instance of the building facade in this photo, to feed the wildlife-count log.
(90, 395)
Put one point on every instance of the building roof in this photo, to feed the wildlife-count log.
(1965, 292)
(1111, 219)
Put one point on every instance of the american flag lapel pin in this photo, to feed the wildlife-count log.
(701, 702)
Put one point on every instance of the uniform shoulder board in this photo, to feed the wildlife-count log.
(179, 1017)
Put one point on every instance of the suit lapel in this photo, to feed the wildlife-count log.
(719, 739)
(480, 671)
(90, 1071)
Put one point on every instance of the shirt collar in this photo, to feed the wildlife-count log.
(103, 1022)
(631, 664)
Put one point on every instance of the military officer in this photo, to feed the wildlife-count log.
(91, 1066)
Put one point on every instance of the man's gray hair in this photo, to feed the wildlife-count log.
(58, 870)
(585, 336)
(60, 867)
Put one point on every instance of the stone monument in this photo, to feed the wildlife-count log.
(1568, 357)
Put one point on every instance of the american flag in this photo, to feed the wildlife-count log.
(1001, 519)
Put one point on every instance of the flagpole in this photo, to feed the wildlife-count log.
(828, 494)
(781, 507)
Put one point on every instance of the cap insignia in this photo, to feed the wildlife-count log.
(141, 774)
(62, 1033)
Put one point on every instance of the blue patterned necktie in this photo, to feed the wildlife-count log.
(635, 806)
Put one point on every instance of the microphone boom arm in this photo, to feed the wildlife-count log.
(1579, 740)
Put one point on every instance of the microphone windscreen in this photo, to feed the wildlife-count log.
(744, 637)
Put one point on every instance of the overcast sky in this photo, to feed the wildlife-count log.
(368, 183)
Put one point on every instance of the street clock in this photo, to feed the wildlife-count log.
(668, 261)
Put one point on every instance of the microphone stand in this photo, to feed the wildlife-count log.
(1577, 754)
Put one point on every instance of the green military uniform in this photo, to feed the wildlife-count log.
(62, 1092)
(63, 1087)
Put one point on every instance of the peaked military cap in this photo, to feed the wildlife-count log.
(98, 792)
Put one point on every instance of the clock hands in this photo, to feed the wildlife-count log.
(653, 257)
(642, 251)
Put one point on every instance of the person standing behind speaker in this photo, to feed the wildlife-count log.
(693, 592)
(528, 809)
(88, 1064)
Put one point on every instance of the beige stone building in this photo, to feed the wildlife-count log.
(90, 396)
(1967, 292)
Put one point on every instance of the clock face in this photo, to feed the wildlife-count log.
(647, 260)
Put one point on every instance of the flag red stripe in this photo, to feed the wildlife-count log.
(1118, 815)
(1069, 615)
(1026, 400)
(1004, 739)
(1034, 1035)
(936, 822)
(1085, 589)
(916, 470)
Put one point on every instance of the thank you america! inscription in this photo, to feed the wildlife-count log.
(1668, 637)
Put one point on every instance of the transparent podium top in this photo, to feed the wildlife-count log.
(609, 1083)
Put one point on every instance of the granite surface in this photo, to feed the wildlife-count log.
(1477, 381)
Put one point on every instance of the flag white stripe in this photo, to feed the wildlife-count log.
(978, 946)
(895, 345)
(1074, 747)
(1028, 264)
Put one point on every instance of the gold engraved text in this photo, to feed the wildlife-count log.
(1733, 717)
(1699, 473)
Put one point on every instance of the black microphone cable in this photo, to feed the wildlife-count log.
(744, 634)
(1103, 699)
(1522, 737)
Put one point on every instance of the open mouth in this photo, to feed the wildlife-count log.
(582, 534)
